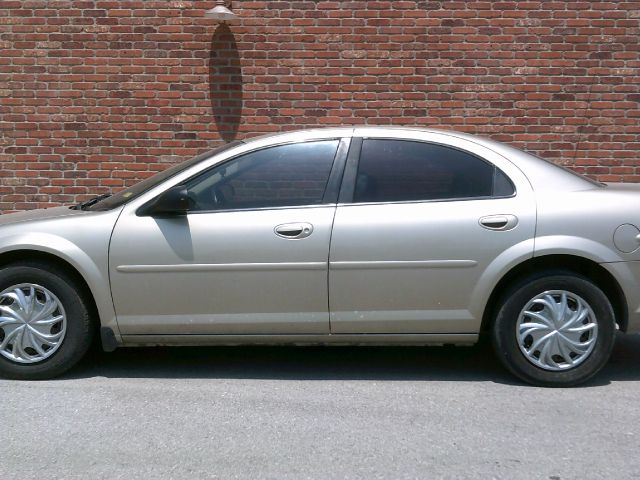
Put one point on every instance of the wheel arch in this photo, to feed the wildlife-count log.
(602, 278)
(46, 258)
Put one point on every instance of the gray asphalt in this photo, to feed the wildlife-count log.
(440, 412)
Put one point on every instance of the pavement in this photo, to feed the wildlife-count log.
(319, 413)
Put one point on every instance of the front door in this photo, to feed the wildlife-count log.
(250, 257)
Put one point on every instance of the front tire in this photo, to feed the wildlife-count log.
(45, 323)
(554, 330)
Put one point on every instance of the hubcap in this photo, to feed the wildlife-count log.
(32, 323)
(557, 330)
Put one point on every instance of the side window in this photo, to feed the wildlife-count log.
(401, 170)
(502, 186)
(286, 175)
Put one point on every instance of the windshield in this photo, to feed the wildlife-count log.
(132, 192)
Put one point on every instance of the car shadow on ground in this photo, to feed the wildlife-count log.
(447, 363)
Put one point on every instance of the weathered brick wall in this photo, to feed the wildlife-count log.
(97, 94)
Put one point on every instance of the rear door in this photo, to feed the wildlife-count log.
(422, 232)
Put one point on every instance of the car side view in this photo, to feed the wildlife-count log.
(332, 236)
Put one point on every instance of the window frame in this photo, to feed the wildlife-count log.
(347, 192)
(330, 194)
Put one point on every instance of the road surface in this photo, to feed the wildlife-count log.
(319, 413)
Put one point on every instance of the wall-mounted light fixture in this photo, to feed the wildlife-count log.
(220, 13)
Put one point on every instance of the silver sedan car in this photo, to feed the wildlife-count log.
(332, 236)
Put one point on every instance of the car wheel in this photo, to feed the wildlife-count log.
(45, 326)
(554, 330)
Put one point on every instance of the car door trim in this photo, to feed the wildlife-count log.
(305, 339)
(348, 185)
(347, 265)
(259, 209)
(217, 267)
(332, 188)
(338, 164)
(347, 189)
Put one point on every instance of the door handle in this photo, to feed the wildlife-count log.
(499, 222)
(294, 230)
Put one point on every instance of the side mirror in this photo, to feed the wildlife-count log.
(174, 201)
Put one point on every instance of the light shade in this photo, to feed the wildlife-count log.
(220, 13)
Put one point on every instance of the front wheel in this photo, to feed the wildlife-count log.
(555, 330)
(45, 326)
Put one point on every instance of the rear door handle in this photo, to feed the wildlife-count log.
(294, 230)
(498, 222)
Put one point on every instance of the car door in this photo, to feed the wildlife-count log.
(422, 232)
(249, 257)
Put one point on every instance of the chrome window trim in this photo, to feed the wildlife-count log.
(263, 209)
(351, 134)
(439, 200)
(435, 200)
(335, 164)
(248, 145)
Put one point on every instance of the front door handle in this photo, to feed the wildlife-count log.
(499, 222)
(294, 230)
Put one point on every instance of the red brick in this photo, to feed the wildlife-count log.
(100, 94)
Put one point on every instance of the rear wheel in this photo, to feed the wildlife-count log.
(45, 326)
(554, 330)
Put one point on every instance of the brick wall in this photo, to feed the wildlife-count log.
(97, 94)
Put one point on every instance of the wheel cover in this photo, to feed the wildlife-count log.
(33, 323)
(557, 330)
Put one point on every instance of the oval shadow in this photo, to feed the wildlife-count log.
(225, 83)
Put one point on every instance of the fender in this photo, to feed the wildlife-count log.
(576, 246)
(72, 254)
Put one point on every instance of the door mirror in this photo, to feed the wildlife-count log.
(174, 201)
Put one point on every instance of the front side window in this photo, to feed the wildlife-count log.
(401, 170)
(286, 175)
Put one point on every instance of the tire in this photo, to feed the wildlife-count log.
(592, 336)
(50, 287)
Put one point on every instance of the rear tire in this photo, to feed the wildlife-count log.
(58, 331)
(554, 330)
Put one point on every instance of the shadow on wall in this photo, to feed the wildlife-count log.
(225, 83)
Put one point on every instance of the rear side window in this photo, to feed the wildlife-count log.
(400, 170)
(285, 175)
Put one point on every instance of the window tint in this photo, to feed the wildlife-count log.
(286, 175)
(502, 186)
(399, 170)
